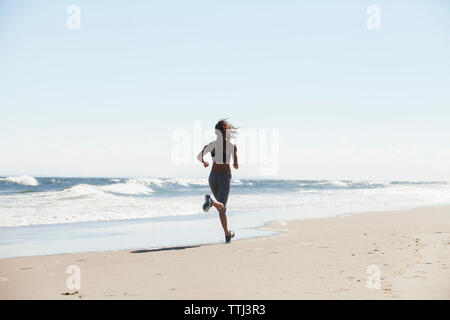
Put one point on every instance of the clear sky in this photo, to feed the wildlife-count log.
(349, 102)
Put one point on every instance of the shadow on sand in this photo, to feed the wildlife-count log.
(165, 249)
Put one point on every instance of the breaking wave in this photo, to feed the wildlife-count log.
(23, 180)
(28, 201)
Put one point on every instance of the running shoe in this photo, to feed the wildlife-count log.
(208, 203)
(228, 238)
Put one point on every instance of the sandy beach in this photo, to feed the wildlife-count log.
(403, 254)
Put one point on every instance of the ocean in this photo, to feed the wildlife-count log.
(49, 215)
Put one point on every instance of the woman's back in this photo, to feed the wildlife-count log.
(221, 153)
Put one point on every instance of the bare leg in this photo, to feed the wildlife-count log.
(223, 217)
(217, 205)
(223, 220)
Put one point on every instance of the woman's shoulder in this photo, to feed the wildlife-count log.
(209, 147)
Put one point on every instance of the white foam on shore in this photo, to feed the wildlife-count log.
(169, 183)
(138, 198)
(128, 188)
(130, 200)
(118, 188)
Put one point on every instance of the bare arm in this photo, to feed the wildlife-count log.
(235, 158)
(201, 154)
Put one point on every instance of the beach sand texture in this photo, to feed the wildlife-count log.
(407, 251)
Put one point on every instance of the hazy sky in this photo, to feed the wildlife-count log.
(348, 102)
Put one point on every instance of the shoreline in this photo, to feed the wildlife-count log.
(319, 258)
(155, 233)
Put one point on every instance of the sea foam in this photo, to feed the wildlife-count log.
(24, 180)
(71, 200)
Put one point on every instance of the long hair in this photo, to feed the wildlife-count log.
(222, 126)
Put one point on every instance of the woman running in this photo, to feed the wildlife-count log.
(219, 179)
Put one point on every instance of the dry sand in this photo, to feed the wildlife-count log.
(310, 259)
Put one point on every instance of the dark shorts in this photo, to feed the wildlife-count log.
(220, 187)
